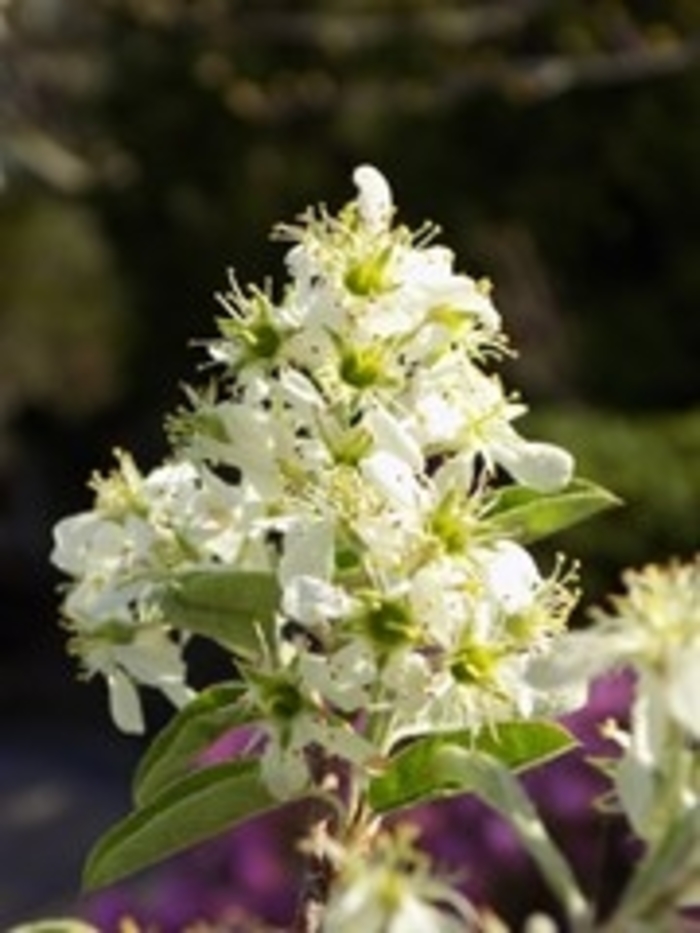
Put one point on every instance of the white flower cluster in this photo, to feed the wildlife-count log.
(351, 446)
(653, 628)
(122, 554)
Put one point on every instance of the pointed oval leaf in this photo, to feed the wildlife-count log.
(214, 712)
(497, 786)
(457, 768)
(234, 608)
(187, 812)
(417, 773)
(528, 515)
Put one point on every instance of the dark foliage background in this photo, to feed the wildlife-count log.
(146, 145)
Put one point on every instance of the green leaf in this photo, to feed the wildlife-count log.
(500, 789)
(234, 608)
(215, 711)
(453, 767)
(187, 812)
(528, 515)
(414, 774)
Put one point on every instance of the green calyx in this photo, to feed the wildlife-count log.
(263, 340)
(256, 332)
(362, 367)
(389, 625)
(451, 524)
(368, 277)
(474, 664)
(351, 446)
(280, 698)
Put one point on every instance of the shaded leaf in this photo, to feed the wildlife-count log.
(528, 515)
(188, 811)
(215, 711)
(234, 608)
(499, 788)
(415, 775)
(458, 768)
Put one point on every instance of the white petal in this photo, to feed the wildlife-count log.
(308, 551)
(342, 741)
(635, 787)
(284, 771)
(124, 703)
(462, 293)
(394, 479)
(535, 464)
(251, 445)
(72, 536)
(393, 437)
(511, 576)
(341, 679)
(374, 198)
(300, 390)
(312, 601)
(177, 692)
(575, 658)
(684, 689)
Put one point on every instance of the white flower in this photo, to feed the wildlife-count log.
(107, 558)
(298, 723)
(284, 765)
(145, 657)
(342, 678)
(654, 628)
(392, 891)
(459, 407)
(486, 615)
(446, 297)
(249, 438)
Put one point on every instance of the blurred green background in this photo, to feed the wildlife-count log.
(147, 145)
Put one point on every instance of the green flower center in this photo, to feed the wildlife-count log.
(389, 625)
(475, 664)
(450, 524)
(282, 700)
(368, 277)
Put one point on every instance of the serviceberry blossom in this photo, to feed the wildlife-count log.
(351, 443)
(652, 629)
